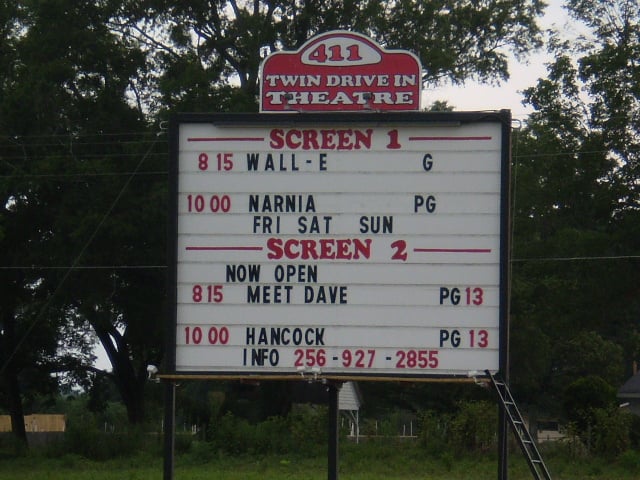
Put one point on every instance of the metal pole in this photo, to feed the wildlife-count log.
(503, 445)
(169, 429)
(333, 431)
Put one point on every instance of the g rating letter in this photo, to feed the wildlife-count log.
(449, 295)
(451, 337)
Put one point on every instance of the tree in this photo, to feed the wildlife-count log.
(122, 293)
(28, 345)
(576, 204)
(63, 110)
(610, 70)
(207, 54)
(86, 196)
(584, 396)
(588, 354)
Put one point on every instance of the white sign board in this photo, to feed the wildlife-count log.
(366, 246)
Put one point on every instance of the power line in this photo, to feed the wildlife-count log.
(160, 267)
(570, 152)
(84, 267)
(575, 259)
(63, 176)
(75, 137)
(77, 259)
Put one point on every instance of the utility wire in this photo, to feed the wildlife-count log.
(63, 176)
(160, 267)
(574, 259)
(40, 314)
(84, 267)
(514, 192)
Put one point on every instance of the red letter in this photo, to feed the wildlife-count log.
(344, 139)
(275, 247)
(309, 249)
(288, 249)
(344, 251)
(290, 143)
(362, 248)
(276, 138)
(327, 139)
(363, 139)
(310, 140)
(326, 250)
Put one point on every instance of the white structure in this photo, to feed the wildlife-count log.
(349, 402)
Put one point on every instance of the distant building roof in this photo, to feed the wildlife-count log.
(629, 393)
(631, 389)
(349, 397)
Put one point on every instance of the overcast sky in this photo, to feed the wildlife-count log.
(474, 96)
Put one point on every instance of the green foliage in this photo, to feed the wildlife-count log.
(575, 210)
(584, 396)
(11, 447)
(611, 428)
(588, 354)
(101, 436)
(115, 416)
(309, 427)
(440, 106)
(530, 367)
(484, 30)
(598, 422)
(78, 79)
(382, 458)
(302, 433)
(434, 431)
(474, 427)
(231, 435)
(89, 436)
(630, 460)
(371, 461)
(65, 121)
(204, 46)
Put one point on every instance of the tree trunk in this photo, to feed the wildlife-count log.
(533, 422)
(10, 379)
(131, 392)
(129, 385)
(15, 408)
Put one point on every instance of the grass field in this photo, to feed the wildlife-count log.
(357, 462)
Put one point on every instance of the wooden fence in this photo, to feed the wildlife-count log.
(37, 423)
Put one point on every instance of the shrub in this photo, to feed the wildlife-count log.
(611, 429)
(434, 429)
(231, 434)
(584, 396)
(273, 436)
(301, 432)
(630, 461)
(309, 428)
(474, 427)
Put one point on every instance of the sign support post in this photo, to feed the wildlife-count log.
(169, 429)
(503, 444)
(340, 234)
(334, 431)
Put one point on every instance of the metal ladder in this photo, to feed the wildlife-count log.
(528, 446)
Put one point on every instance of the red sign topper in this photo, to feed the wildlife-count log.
(340, 71)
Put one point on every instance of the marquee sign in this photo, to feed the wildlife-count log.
(362, 245)
(340, 71)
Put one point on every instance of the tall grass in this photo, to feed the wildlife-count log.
(375, 460)
(385, 458)
(451, 447)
